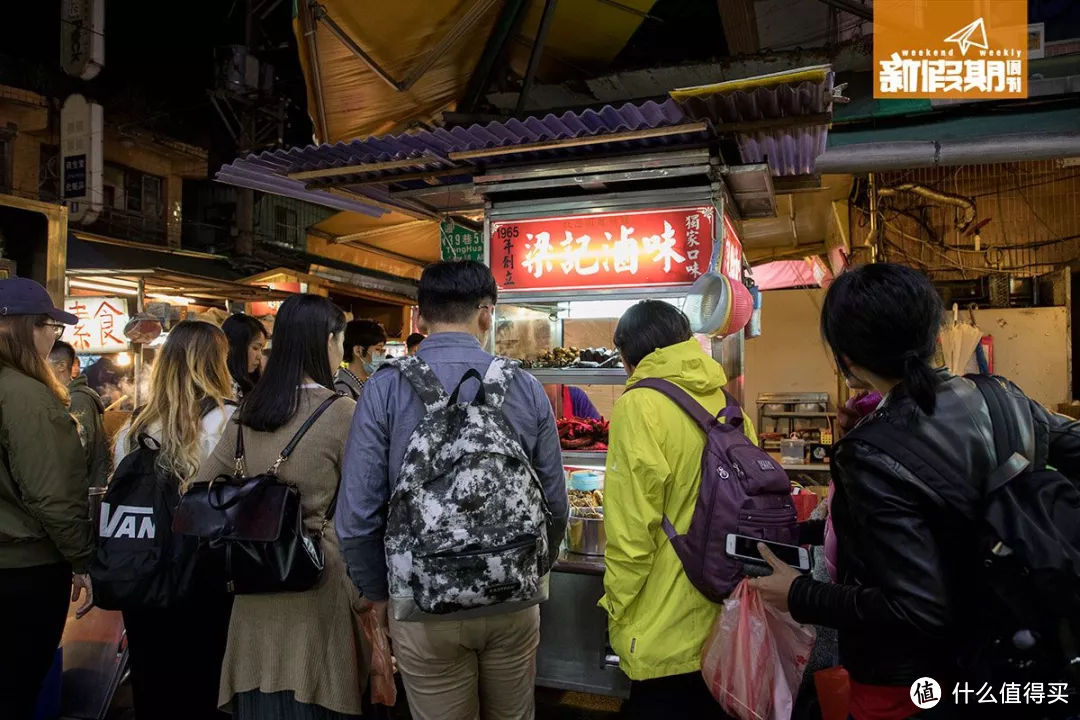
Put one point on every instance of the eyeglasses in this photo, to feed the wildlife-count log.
(490, 307)
(58, 328)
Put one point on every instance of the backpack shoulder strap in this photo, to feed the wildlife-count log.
(423, 380)
(681, 398)
(500, 374)
(1008, 446)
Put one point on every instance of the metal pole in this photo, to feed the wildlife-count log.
(322, 16)
(138, 348)
(537, 52)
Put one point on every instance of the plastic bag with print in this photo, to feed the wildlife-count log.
(755, 656)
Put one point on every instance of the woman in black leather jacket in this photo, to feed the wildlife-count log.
(904, 604)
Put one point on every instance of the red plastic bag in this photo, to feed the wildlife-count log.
(805, 504)
(834, 692)
(755, 656)
(383, 688)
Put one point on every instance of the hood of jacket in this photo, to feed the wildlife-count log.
(685, 364)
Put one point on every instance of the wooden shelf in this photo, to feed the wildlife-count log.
(798, 415)
(808, 467)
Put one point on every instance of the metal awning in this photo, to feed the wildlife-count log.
(167, 284)
(424, 173)
(781, 118)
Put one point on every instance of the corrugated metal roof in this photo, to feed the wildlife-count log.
(431, 149)
(790, 149)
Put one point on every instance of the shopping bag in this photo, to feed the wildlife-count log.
(834, 692)
(805, 504)
(383, 688)
(755, 656)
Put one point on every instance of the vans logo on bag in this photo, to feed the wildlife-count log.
(766, 464)
(125, 522)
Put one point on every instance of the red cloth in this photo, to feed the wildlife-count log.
(881, 702)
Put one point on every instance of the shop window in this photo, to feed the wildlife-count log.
(286, 228)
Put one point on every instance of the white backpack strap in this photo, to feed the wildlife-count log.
(424, 382)
(500, 374)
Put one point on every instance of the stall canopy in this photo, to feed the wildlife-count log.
(768, 130)
(376, 73)
(784, 274)
(167, 285)
(394, 244)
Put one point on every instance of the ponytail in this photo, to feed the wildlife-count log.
(920, 382)
(886, 318)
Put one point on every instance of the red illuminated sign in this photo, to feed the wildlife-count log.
(673, 246)
(731, 262)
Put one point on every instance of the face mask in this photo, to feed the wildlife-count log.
(376, 361)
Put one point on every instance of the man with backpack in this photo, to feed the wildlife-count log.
(88, 409)
(657, 515)
(453, 505)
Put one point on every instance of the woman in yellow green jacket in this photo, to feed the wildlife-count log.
(658, 621)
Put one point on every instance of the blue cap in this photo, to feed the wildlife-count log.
(23, 296)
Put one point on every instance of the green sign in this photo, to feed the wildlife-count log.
(458, 242)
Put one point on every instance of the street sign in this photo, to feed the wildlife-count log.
(101, 324)
(457, 242)
(82, 161)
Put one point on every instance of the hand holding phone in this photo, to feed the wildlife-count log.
(745, 548)
(776, 588)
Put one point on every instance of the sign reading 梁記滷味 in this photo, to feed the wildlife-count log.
(457, 242)
(670, 246)
(100, 328)
(950, 49)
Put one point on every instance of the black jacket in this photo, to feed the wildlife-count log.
(905, 595)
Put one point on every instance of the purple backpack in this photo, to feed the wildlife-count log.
(743, 491)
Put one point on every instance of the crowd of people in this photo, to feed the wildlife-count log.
(435, 488)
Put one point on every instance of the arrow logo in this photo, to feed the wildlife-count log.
(973, 35)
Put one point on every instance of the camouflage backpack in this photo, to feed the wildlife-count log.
(467, 525)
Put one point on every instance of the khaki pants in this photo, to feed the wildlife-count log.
(469, 669)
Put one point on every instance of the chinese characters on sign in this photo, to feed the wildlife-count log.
(650, 247)
(101, 324)
(75, 176)
(972, 49)
(732, 259)
(457, 242)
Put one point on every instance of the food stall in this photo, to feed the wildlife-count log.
(568, 265)
(116, 306)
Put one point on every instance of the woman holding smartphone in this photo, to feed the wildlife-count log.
(906, 600)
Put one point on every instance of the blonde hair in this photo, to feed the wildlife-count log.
(190, 371)
(17, 351)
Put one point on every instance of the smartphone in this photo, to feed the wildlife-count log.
(742, 547)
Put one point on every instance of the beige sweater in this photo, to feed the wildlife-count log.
(308, 642)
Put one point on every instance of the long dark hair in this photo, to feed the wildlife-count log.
(886, 318)
(241, 330)
(303, 324)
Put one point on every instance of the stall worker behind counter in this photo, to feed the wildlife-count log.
(571, 402)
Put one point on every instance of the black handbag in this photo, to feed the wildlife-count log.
(256, 524)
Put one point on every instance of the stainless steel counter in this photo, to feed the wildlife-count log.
(574, 653)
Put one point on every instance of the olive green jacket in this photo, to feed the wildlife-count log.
(44, 508)
(88, 409)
